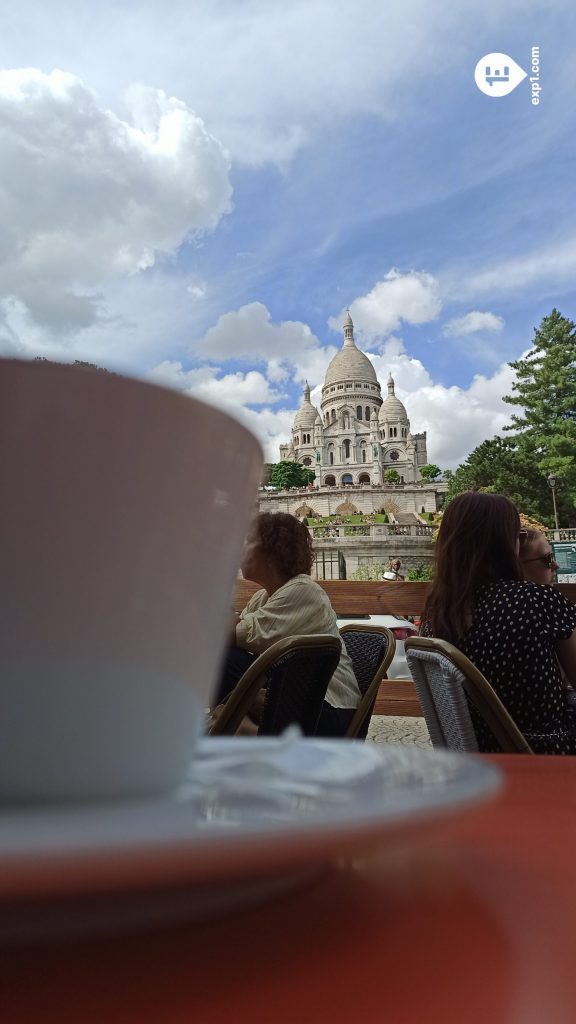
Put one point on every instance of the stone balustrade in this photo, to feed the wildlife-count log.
(565, 536)
(375, 531)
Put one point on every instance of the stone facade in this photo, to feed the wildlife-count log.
(343, 549)
(350, 443)
(356, 436)
(397, 501)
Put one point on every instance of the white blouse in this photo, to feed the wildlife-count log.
(300, 606)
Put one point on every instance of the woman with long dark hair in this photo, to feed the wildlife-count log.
(278, 555)
(515, 632)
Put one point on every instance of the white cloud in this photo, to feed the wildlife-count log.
(409, 374)
(413, 297)
(272, 427)
(265, 75)
(549, 269)
(473, 322)
(456, 419)
(232, 389)
(88, 197)
(232, 393)
(249, 333)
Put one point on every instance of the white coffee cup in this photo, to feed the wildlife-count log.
(122, 515)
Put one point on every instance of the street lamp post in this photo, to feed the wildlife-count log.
(551, 481)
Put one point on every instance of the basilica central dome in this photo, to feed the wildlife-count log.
(349, 364)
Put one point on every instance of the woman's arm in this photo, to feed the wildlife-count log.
(292, 609)
(566, 650)
(232, 639)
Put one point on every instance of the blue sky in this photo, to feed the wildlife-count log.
(199, 190)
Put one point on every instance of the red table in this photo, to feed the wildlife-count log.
(476, 926)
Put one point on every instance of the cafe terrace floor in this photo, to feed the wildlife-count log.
(397, 729)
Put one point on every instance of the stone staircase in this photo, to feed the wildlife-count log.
(407, 519)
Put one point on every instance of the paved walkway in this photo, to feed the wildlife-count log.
(396, 729)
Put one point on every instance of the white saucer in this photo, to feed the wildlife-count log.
(255, 807)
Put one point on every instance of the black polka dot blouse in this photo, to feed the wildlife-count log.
(511, 640)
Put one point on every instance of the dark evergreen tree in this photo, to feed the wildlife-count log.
(544, 430)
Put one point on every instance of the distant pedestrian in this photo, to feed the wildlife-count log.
(393, 573)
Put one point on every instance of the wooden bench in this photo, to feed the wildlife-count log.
(352, 597)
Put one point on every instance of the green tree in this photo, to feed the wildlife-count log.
(392, 476)
(420, 573)
(290, 474)
(430, 471)
(373, 571)
(500, 466)
(544, 430)
(81, 363)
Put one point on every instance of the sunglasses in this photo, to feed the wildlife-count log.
(547, 560)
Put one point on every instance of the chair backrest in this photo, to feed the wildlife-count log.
(446, 680)
(297, 684)
(296, 672)
(371, 649)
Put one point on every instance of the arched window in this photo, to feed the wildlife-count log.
(331, 457)
(364, 478)
(347, 478)
(363, 455)
(346, 449)
(367, 412)
(390, 434)
(330, 481)
(358, 412)
(333, 415)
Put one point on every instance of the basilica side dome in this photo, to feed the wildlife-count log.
(307, 414)
(392, 408)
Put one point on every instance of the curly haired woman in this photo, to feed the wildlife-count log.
(278, 555)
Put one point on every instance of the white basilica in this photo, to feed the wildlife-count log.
(357, 436)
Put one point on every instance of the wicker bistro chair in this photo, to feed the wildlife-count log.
(296, 672)
(371, 649)
(445, 681)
